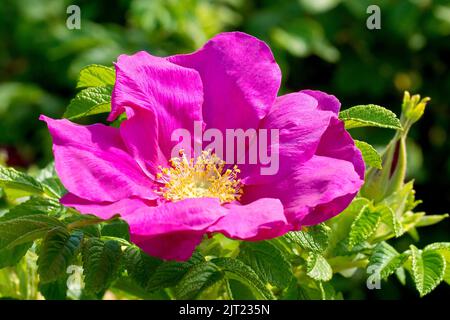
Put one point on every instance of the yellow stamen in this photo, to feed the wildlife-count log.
(204, 177)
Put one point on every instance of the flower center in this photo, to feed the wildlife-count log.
(203, 177)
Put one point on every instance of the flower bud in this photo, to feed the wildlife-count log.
(381, 183)
(412, 109)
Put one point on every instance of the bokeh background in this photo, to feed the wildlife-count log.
(319, 44)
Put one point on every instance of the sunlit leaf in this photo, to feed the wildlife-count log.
(369, 154)
(318, 268)
(89, 101)
(385, 260)
(428, 268)
(369, 115)
(96, 75)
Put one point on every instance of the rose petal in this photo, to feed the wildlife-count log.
(325, 101)
(171, 246)
(300, 125)
(140, 134)
(337, 143)
(105, 210)
(194, 214)
(174, 94)
(321, 170)
(318, 181)
(173, 230)
(259, 220)
(240, 78)
(327, 210)
(92, 162)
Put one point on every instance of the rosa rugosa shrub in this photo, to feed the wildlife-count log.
(151, 206)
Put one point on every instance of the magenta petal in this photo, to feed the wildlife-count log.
(301, 126)
(194, 214)
(171, 92)
(171, 246)
(316, 182)
(104, 210)
(321, 170)
(240, 78)
(327, 210)
(325, 101)
(259, 220)
(140, 134)
(173, 230)
(93, 163)
(337, 143)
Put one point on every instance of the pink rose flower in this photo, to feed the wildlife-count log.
(232, 82)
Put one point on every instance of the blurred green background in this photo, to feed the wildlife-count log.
(319, 44)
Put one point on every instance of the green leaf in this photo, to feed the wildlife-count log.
(369, 154)
(116, 228)
(428, 267)
(410, 220)
(401, 203)
(89, 101)
(292, 292)
(401, 275)
(444, 249)
(439, 246)
(308, 291)
(429, 220)
(318, 268)
(364, 226)
(370, 115)
(81, 220)
(267, 261)
(140, 266)
(23, 184)
(199, 278)
(101, 262)
(56, 290)
(389, 217)
(385, 260)
(344, 249)
(341, 225)
(168, 274)
(447, 270)
(314, 238)
(129, 289)
(328, 292)
(402, 200)
(57, 252)
(12, 256)
(33, 206)
(237, 270)
(50, 180)
(239, 291)
(25, 229)
(96, 75)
